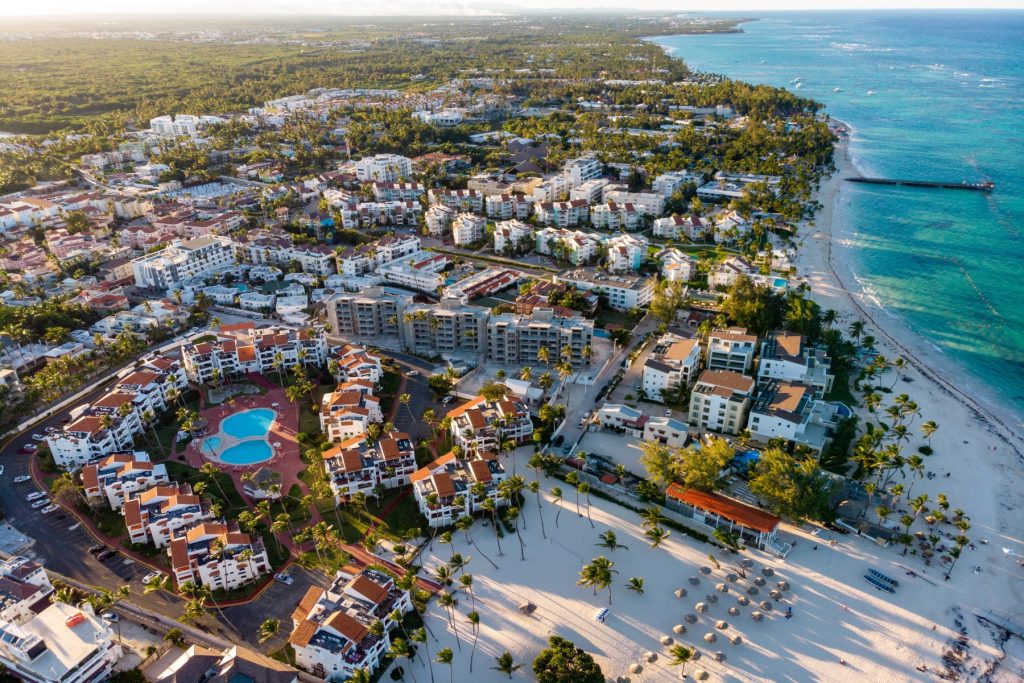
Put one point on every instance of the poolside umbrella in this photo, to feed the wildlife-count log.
(700, 607)
(667, 640)
(719, 656)
(776, 595)
(711, 597)
(756, 616)
(783, 585)
(736, 639)
(690, 618)
(710, 637)
(679, 629)
(731, 578)
(694, 581)
(705, 570)
(635, 669)
(700, 675)
(768, 571)
(747, 562)
(680, 592)
(765, 605)
(758, 581)
(743, 600)
(722, 588)
(721, 625)
(733, 611)
(753, 590)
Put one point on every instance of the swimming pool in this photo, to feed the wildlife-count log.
(247, 452)
(255, 422)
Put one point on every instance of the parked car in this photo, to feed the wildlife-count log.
(150, 576)
(559, 440)
(49, 508)
(413, 373)
(29, 448)
(106, 555)
(35, 495)
(41, 503)
(111, 617)
(97, 549)
(38, 437)
(21, 479)
(446, 400)
(285, 578)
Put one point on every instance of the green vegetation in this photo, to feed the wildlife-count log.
(563, 662)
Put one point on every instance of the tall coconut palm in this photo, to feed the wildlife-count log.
(656, 535)
(556, 496)
(420, 636)
(448, 602)
(506, 664)
(598, 575)
(445, 656)
(400, 650)
(534, 487)
(268, 629)
(584, 488)
(492, 509)
(636, 584)
(928, 429)
(474, 621)
(679, 655)
(573, 479)
(610, 541)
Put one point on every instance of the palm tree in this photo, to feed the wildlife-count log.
(928, 429)
(447, 601)
(269, 629)
(598, 575)
(651, 517)
(361, 676)
(445, 656)
(490, 507)
(609, 540)
(466, 580)
(573, 480)
(856, 329)
(534, 487)
(679, 655)
(400, 650)
(556, 495)
(157, 582)
(656, 535)
(506, 664)
(636, 584)
(584, 488)
(420, 636)
(474, 620)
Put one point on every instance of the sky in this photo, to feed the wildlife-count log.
(460, 7)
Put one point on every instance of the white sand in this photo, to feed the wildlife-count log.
(882, 637)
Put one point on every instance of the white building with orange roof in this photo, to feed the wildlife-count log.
(218, 556)
(356, 363)
(675, 266)
(671, 366)
(122, 475)
(349, 410)
(243, 348)
(86, 439)
(481, 425)
(155, 515)
(360, 465)
(719, 401)
(446, 489)
(331, 627)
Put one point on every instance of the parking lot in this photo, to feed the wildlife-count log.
(621, 449)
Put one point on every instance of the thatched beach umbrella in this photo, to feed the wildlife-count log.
(719, 656)
(758, 581)
(756, 616)
(679, 629)
(743, 600)
(700, 675)
(680, 592)
(783, 585)
(694, 581)
(710, 637)
(753, 590)
(721, 625)
(711, 597)
(733, 611)
(731, 578)
(667, 640)
(635, 668)
(767, 571)
(695, 656)
(776, 595)
(736, 639)
(747, 562)
(765, 605)
(651, 657)
(722, 588)
(700, 607)
(705, 570)
(690, 618)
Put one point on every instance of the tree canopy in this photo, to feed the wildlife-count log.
(563, 662)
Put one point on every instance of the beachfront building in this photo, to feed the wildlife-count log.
(59, 644)
(217, 556)
(348, 411)
(243, 348)
(671, 367)
(360, 464)
(789, 411)
(480, 425)
(449, 487)
(517, 339)
(384, 168)
(731, 349)
(755, 527)
(157, 514)
(331, 633)
(725, 274)
(667, 430)
(786, 356)
(120, 476)
(622, 418)
(622, 292)
(719, 401)
(183, 260)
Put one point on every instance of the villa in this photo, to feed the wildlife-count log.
(788, 410)
(445, 488)
(483, 426)
(360, 465)
(331, 627)
(156, 514)
(348, 411)
(122, 475)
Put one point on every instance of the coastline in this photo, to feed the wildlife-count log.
(824, 255)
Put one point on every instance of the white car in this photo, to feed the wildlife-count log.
(150, 576)
(38, 437)
(42, 502)
(284, 578)
(35, 495)
(21, 479)
(48, 509)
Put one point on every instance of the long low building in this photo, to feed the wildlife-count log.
(754, 526)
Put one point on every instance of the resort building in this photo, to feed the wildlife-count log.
(719, 401)
(644, 203)
(671, 367)
(448, 328)
(349, 410)
(361, 259)
(484, 283)
(789, 411)
(562, 214)
(420, 271)
(468, 229)
(243, 348)
(89, 438)
(59, 644)
(623, 292)
(590, 191)
(668, 430)
(518, 339)
(513, 237)
(461, 200)
(625, 253)
(725, 274)
(483, 426)
(675, 266)
(390, 192)
(384, 168)
(360, 464)
(352, 362)
(667, 184)
(331, 627)
(155, 515)
(373, 314)
(217, 556)
(612, 216)
(24, 589)
(317, 259)
(183, 260)
(676, 227)
(786, 356)
(449, 488)
(755, 527)
(573, 246)
(731, 349)
(439, 219)
(122, 475)
(504, 207)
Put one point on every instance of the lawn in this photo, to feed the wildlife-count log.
(405, 517)
(841, 390)
(230, 507)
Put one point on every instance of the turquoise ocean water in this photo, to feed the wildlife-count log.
(948, 104)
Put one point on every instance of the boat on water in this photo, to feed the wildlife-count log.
(869, 93)
(799, 85)
(837, 90)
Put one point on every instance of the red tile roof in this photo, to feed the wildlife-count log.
(741, 513)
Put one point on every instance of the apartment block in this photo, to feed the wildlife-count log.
(481, 426)
(518, 339)
(182, 260)
(468, 229)
(622, 292)
(720, 400)
(243, 348)
(384, 168)
(786, 356)
(217, 556)
(349, 410)
(360, 465)
(449, 488)
(731, 349)
(120, 476)
(450, 327)
(157, 514)
(374, 313)
(671, 366)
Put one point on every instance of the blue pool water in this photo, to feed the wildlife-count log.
(212, 444)
(247, 452)
(248, 423)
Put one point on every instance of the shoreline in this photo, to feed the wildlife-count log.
(895, 336)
